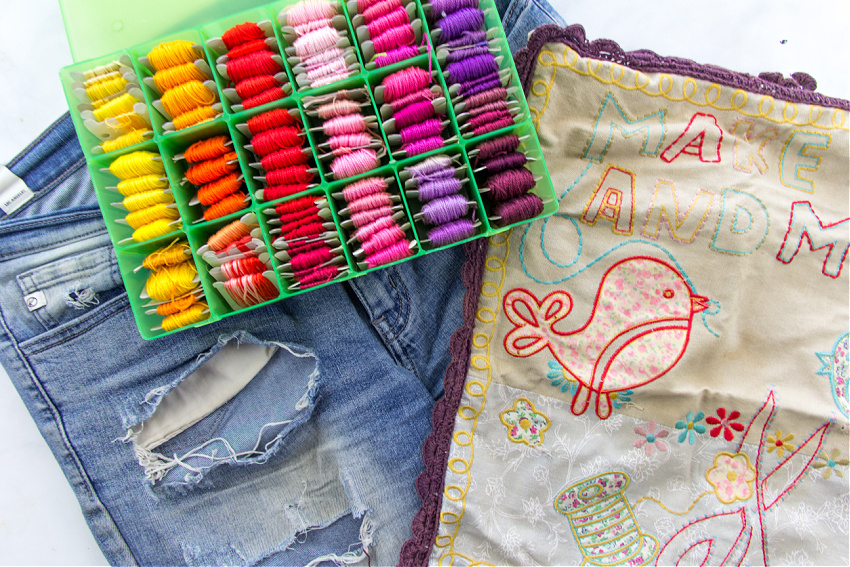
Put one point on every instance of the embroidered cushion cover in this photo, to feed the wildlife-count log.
(657, 373)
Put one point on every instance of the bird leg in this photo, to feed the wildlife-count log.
(581, 399)
(603, 405)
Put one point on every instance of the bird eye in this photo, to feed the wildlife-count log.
(668, 293)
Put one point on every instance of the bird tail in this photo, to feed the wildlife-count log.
(533, 319)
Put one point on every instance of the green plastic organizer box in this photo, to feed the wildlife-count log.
(100, 32)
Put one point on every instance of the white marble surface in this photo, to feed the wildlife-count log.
(40, 520)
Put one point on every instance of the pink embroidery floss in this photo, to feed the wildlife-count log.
(355, 163)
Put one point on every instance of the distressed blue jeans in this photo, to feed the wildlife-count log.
(285, 435)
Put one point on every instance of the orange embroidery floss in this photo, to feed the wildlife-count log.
(212, 169)
(228, 205)
(173, 53)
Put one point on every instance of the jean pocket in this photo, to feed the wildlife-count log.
(62, 290)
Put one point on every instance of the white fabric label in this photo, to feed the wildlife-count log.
(35, 300)
(13, 191)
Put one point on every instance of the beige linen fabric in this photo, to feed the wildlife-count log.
(679, 327)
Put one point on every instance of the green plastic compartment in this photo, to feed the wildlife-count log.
(101, 31)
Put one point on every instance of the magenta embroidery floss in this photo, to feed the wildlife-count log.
(414, 108)
(320, 50)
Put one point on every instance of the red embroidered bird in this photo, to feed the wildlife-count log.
(638, 329)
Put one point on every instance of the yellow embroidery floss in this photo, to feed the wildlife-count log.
(110, 67)
(172, 281)
(171, 255)
(172, 53)
(135, 185)
(196, 116)
(186, 97)
(102, 87)
(194, 314)
(147, 199)
(174, 76)
(154, 230)
(128, 121)
(137, 164)
(129, 139)
(140, 218)
(118, 105)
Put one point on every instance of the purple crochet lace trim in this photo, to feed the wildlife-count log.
(435, 450)
(798, 88)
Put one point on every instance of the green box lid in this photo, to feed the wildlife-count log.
(99, 27)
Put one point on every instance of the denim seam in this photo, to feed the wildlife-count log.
(80, 329)
(408, 361)
(23, 251)
(27, 224)
(509, 19)
(49, 187)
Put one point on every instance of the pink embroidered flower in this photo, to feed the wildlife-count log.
(732, 477)
(652, 438)
(725, 423)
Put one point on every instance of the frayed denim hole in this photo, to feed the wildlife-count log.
(229, 408)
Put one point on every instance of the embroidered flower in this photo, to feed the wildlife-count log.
(725, 423)
(831, 462)
(652, 438)
(732, 477)
(780, 443)
(619, 399)
(690, 427)
(524, 423)
(560, 377)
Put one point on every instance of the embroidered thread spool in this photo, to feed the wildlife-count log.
(603, 521)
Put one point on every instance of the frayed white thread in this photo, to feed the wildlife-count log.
(156, 394)
(367, 533)
(157, 465)
(81, 297)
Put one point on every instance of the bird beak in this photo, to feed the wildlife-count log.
(699, 303)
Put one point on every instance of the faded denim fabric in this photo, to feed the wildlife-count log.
(289, 434)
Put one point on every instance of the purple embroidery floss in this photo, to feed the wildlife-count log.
(448, 6)
(511, 160)
(463, 53)
(451, 232)
(466, 39)
(453, 25)
(486, 83)
(493, 147)
(445, 209)
(518, 209)
(430, 167)
(437, 188)
(509, 184)
(472, 68)
(429, 128)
